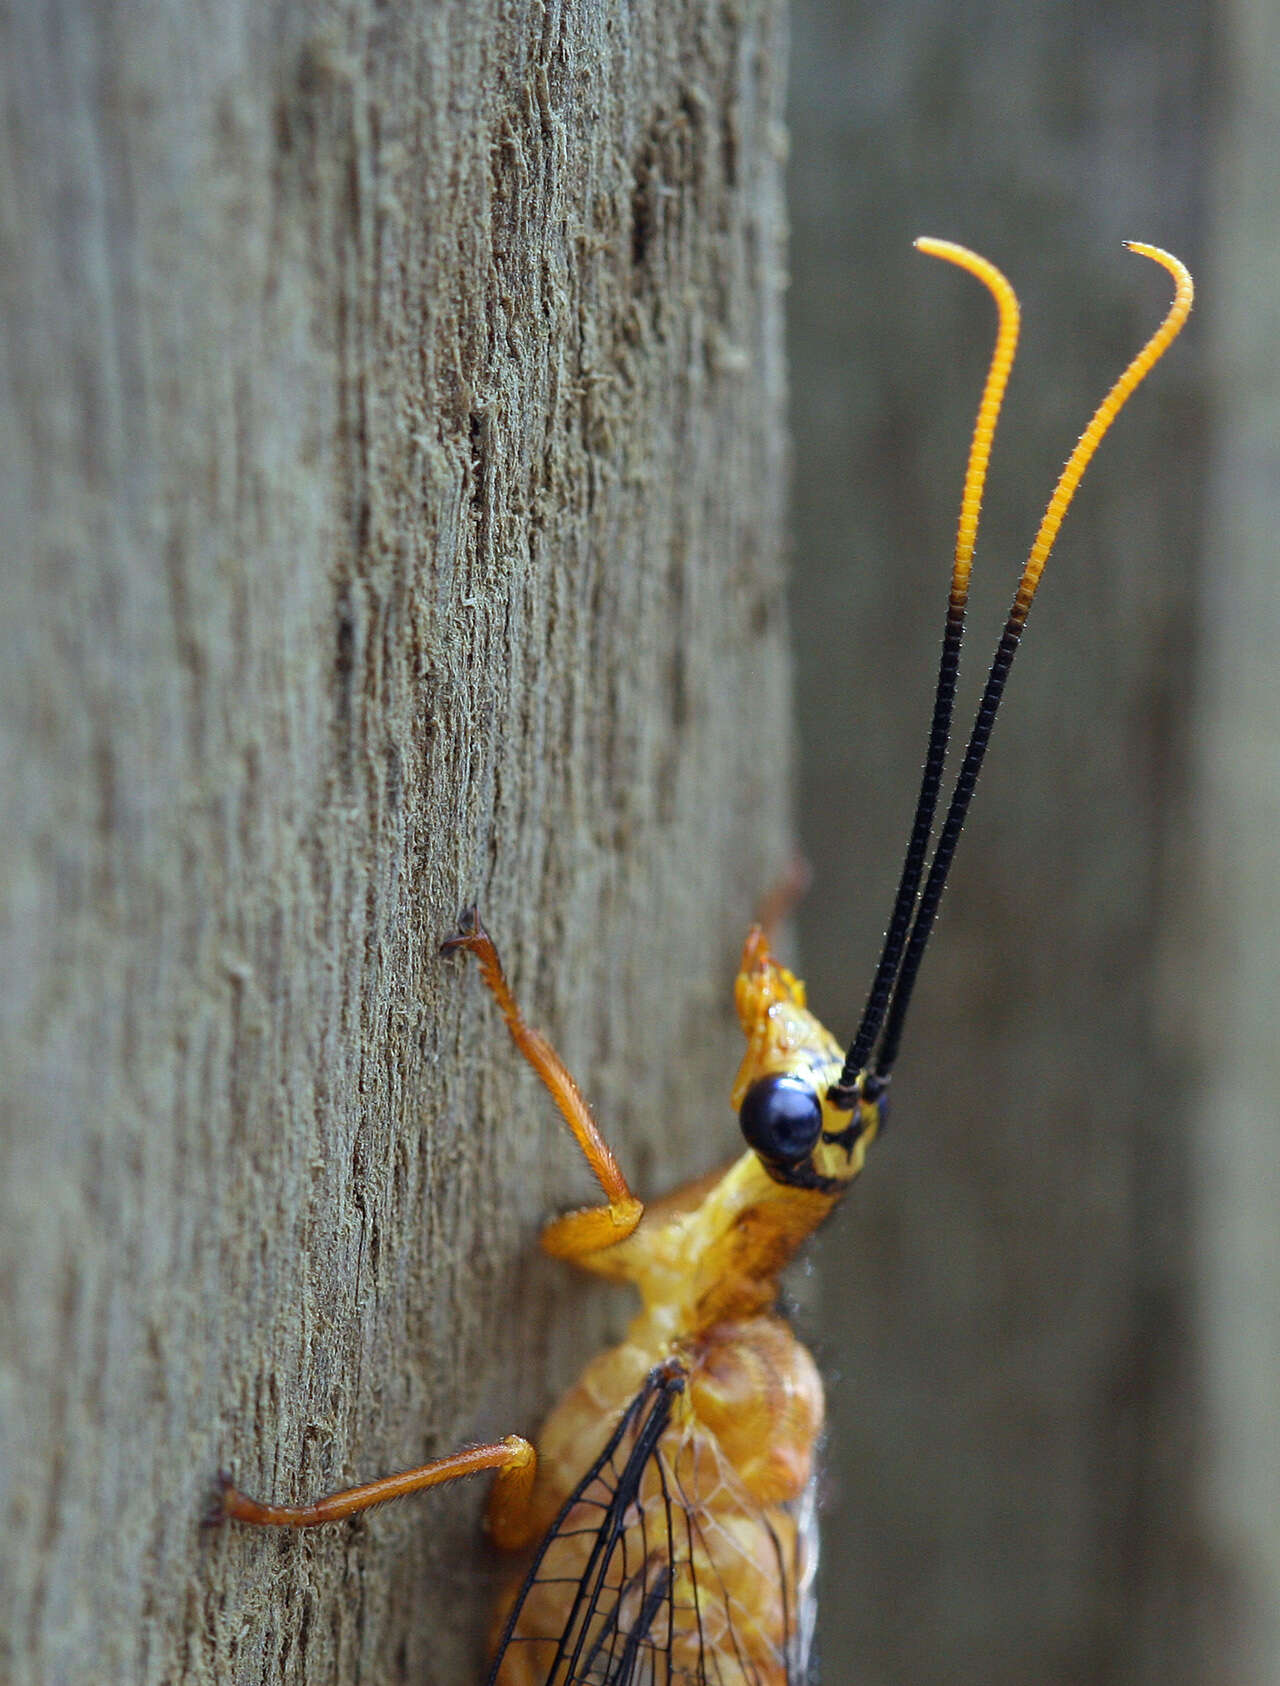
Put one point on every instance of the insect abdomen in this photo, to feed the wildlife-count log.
(687, 1553)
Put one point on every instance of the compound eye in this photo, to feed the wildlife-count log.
(781, 1117)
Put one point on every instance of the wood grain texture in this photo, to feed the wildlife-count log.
(392, 476)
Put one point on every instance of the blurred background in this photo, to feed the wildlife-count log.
(1050, 1319)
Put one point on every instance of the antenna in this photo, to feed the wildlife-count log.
(844, 1093)
(856, 1072)
(966, 780)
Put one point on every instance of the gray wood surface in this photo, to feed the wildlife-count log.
(392, 482)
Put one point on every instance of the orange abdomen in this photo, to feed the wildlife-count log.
(689, 1559)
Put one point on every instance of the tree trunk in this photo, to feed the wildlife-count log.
(392, 483)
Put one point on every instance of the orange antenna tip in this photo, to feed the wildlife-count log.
(1123, 389)
(984, 427)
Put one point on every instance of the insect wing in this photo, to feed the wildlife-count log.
(582, 1566)
(655, 1574)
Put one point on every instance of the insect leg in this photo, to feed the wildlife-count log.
(514, 1460)
(783, 896)
(577, 1234)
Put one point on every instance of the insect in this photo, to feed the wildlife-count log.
(666, 1520)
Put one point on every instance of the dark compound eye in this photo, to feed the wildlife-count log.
(781, 1117)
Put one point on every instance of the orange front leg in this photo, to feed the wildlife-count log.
(514, 1459)
(577, 1234)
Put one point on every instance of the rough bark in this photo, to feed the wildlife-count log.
(392, 480)
(1017, 1421)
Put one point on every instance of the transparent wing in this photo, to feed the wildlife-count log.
(659, 1571)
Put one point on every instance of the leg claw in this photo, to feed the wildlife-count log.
(470, 931)
(216, 1512)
